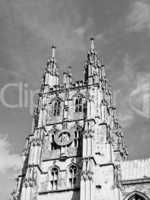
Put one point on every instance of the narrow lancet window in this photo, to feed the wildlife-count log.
(54, 178)
(73, 176)
(77, 138)
(78, 104)
(56, 111)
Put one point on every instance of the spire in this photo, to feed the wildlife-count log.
(52, 61)
(92, 44)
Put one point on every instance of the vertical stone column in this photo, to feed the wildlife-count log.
(23, 193)
(87, 183)
(87, 188)
(40, 118)
(28, 192)
(35, 147)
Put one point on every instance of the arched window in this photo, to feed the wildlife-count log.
(73, 176)
(78, 104)
(54, 178)
(77, 138)
(136, 196)
(54, 146)
(56, 109)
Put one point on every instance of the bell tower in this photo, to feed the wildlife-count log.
(76, 144)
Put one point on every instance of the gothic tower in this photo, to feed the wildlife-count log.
(76, 145)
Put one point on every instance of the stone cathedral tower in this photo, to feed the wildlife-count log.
(76, 148)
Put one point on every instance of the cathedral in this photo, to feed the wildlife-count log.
(76, 150)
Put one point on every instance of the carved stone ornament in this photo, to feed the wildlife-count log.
(64, 138)
(87, 175)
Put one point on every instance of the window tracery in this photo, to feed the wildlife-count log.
(54, 146)
(78, 104)
(54, 178)
(136, 196)
(77, 137)
(56, 108)
(73, 176)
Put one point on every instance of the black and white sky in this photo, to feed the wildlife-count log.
(28, 28)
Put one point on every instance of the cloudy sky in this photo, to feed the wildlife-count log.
(27, 30)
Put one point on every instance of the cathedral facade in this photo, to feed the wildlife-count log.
(76, 150)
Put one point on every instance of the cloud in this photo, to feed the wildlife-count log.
(138, 19)
(139, 97)
(8, 160)
(128, 70)
(133, 95)
(99, 36)
(121, 96)
(27, 29)
(46, 24)
(126, 118)
(126, 115)
(81, 30)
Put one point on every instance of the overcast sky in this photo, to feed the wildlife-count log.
(27, 30)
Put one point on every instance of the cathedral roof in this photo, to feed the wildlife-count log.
(135, 169)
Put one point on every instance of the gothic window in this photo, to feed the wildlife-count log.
(54, 178)
(137, 196)
(54, 146)
(77, 139)
(56, 109)
(73, 176)
(78, 104)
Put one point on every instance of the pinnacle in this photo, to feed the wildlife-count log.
(92, 43)
(53, 51)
